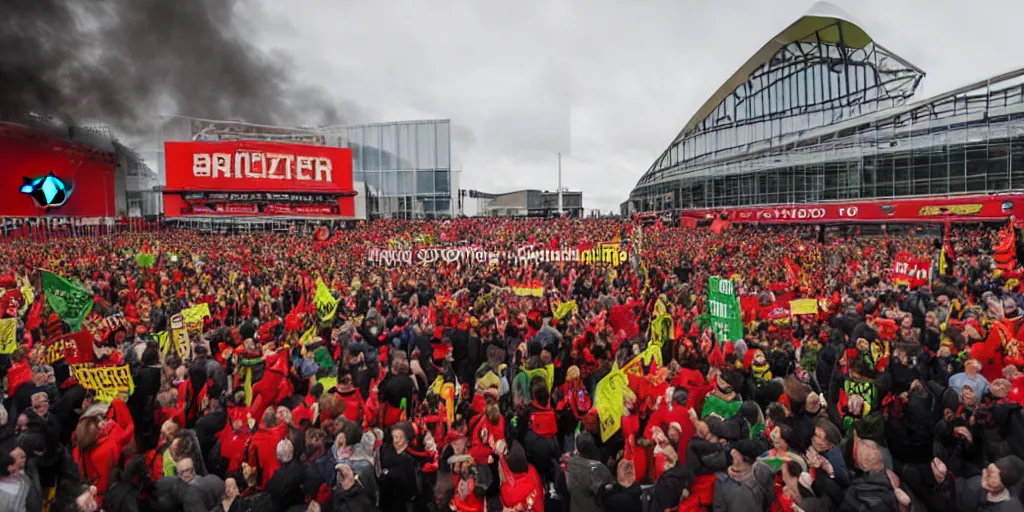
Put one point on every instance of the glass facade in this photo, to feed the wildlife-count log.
(824, 117)
(407, 165)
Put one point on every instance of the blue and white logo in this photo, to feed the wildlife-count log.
(48, 191)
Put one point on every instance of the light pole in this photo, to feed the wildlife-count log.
(559, 184)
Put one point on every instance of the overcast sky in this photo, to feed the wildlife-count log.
(608, 82)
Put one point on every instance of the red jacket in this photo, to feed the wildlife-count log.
(262, 451)
(355, 406)
(524, 489)
(97, 463)
(232, 446)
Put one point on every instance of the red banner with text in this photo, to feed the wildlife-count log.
(244, 166)
(938, 209)
(909, 270)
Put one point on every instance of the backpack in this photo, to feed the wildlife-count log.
(544, 423)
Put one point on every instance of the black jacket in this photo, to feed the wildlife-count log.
(285, 487)
(398, 479)
(873, 492)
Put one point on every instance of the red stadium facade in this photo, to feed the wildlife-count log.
(979, 208)
(89, 173)
(256, 178)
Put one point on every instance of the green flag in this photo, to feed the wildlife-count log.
(70, 300)
(724, 309)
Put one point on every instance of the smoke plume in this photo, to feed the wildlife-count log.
(121, 62)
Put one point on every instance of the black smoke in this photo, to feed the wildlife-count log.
(122, 62)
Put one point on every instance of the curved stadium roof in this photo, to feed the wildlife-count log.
(823, 20)
(858, 76)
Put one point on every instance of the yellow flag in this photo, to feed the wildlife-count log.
(28, 295)
(8, 335)
(307, 336)
(163, 339)
(803, 307)
(326, 304)
(565, 309)
(610, 401)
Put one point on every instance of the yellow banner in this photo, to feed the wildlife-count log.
(610, 401)
(195, 315)
(107, 382)
(326, 304)
(605, 253)
(803, 307)
(8, 335)
(528, 291)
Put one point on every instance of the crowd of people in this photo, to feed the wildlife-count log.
(281, 372)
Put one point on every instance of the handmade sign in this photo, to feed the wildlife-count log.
(107, 381)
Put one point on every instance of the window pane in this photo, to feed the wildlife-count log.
(443, 145)
(441, 182)
(426, 144)
(424, 182)
(389, 147)
(355, 141)
(371, 145)
(407, 146)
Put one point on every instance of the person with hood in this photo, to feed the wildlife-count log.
(747, 484)
(585, 475)
(520, 483)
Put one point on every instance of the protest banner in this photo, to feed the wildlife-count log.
(611, 253)
(194, 315)
(179, 336)
(107, 381)
(909, 270)
(527, 289)
(803, 307)
(8, 335)
(74, 348)
(724, 309)
(70, 300)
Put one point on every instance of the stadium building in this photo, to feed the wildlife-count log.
(103, 179)
(399, 170)
(822, 115)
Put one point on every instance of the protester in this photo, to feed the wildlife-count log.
(524, 365)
